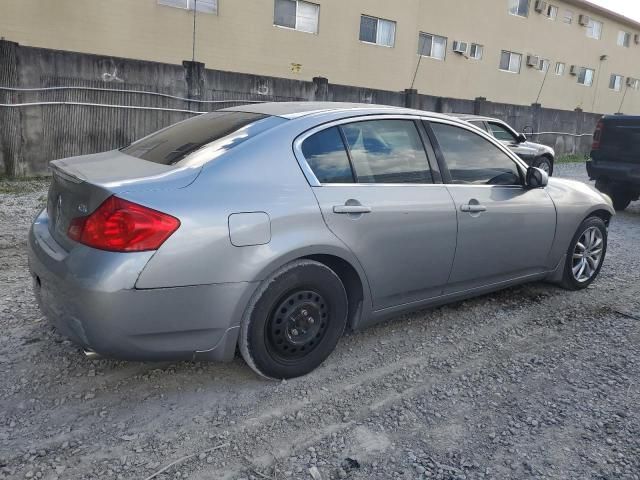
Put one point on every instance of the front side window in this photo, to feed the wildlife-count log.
(296, 14)
(204, 6)
(624, 39)
(474, 160)
(615, 82)
(585, 76)
(476, 52)
(201, 139)
(326, 155)
(501, 132)
(560, 68)
(432, 46)
(594, 29)
(520, 8)
(378, 31)
(387, 151)
(478, 123)
(510, 62)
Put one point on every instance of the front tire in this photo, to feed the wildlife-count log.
(586, 254)
(544, 163)
(295, 320)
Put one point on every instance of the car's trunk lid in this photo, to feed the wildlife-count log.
(80, 184)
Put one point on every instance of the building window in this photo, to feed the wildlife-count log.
(560, 67)
(204, 6)
(568, 17)
(476, 52)
(594, 29)
(615, 82)
(585, 77)
(432, 46)
(519, 8)
(552, 12)
(510, 62)
(544, 64)
(624, 39)
(296, 14)
(378, 31)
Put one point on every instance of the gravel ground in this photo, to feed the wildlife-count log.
(532, 382)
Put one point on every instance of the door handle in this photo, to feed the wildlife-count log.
(345, 209)
(473, 208)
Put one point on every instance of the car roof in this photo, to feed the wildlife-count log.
(467, 117)
(293, 110)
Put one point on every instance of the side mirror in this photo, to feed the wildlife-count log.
(522, 138)
(537, 178)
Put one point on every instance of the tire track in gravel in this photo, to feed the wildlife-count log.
(81, 413)
(384, 398)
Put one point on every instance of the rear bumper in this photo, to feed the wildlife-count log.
(628, 173)
(90, 297)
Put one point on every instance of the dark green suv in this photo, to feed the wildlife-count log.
(615, 158)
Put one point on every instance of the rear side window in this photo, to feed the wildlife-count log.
(472, 159)
(177, 142)
(387, 151)
(327, 157)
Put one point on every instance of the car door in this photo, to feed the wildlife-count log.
(504, 134)
(375, 188)
(505, 230)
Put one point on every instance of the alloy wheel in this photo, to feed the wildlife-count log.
(587, 254)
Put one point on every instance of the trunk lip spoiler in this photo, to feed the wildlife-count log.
(58, 169)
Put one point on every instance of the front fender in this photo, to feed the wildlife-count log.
(574, 202)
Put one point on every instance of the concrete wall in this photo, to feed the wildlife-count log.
(57, 127)
(243, 38)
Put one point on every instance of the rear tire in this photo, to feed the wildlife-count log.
(620, 196)
(544, 163)
(621, 200)
(586, 254)
(295, 320)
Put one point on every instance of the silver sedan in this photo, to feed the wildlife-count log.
(275, 227)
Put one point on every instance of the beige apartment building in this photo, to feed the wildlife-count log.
(563, 54)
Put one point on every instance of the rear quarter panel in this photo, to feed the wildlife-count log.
(261, 175)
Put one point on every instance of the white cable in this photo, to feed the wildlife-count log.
(128, 107)
(95, 89)
(563, 133)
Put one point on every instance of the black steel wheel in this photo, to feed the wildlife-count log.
(297, 325)
(295, 320)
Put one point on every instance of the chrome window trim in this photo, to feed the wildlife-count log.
(314, 182)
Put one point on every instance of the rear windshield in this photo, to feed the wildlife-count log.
(201, 138)
(623, 135)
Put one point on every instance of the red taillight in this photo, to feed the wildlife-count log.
(597, 136)
(122, 226)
